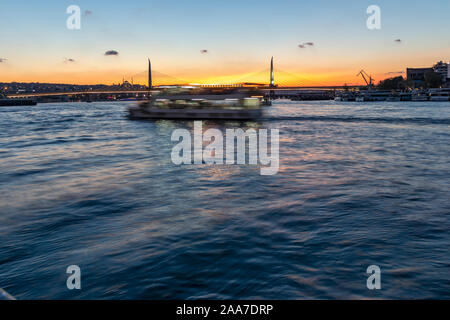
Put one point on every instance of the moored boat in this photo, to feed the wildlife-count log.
(440, 95)
(371, 96)
(10, 102)
(345, 96)
(394, 98)
(420, 96)
(405, 96)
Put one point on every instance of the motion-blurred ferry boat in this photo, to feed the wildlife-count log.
(201, 103)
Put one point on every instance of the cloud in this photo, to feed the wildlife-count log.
(111, 53)
(3, 60)
(203, 51)
(305, 45)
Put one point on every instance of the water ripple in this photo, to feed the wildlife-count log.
(359, 184)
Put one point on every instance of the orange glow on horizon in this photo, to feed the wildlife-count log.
(308, 72)
(115, 77)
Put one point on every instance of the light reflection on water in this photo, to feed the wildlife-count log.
(359, 184)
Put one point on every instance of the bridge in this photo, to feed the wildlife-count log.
(80, 93)
(291, 93)
(281, 91)
(271, 90)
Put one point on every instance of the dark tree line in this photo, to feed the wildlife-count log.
(396, 83)
(432, 80)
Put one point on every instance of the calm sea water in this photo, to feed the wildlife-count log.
(359, 185)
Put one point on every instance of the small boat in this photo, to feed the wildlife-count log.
(394, 98)
(405, 96)
(11, 102)
(199, 104)
(345, 96)
(420, 96)
(375, 96)
(440, 95)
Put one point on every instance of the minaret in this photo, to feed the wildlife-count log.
(149, 75)
(272, 80)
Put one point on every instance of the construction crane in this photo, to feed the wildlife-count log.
(365, 76)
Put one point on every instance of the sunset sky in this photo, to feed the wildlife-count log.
(240, 36)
